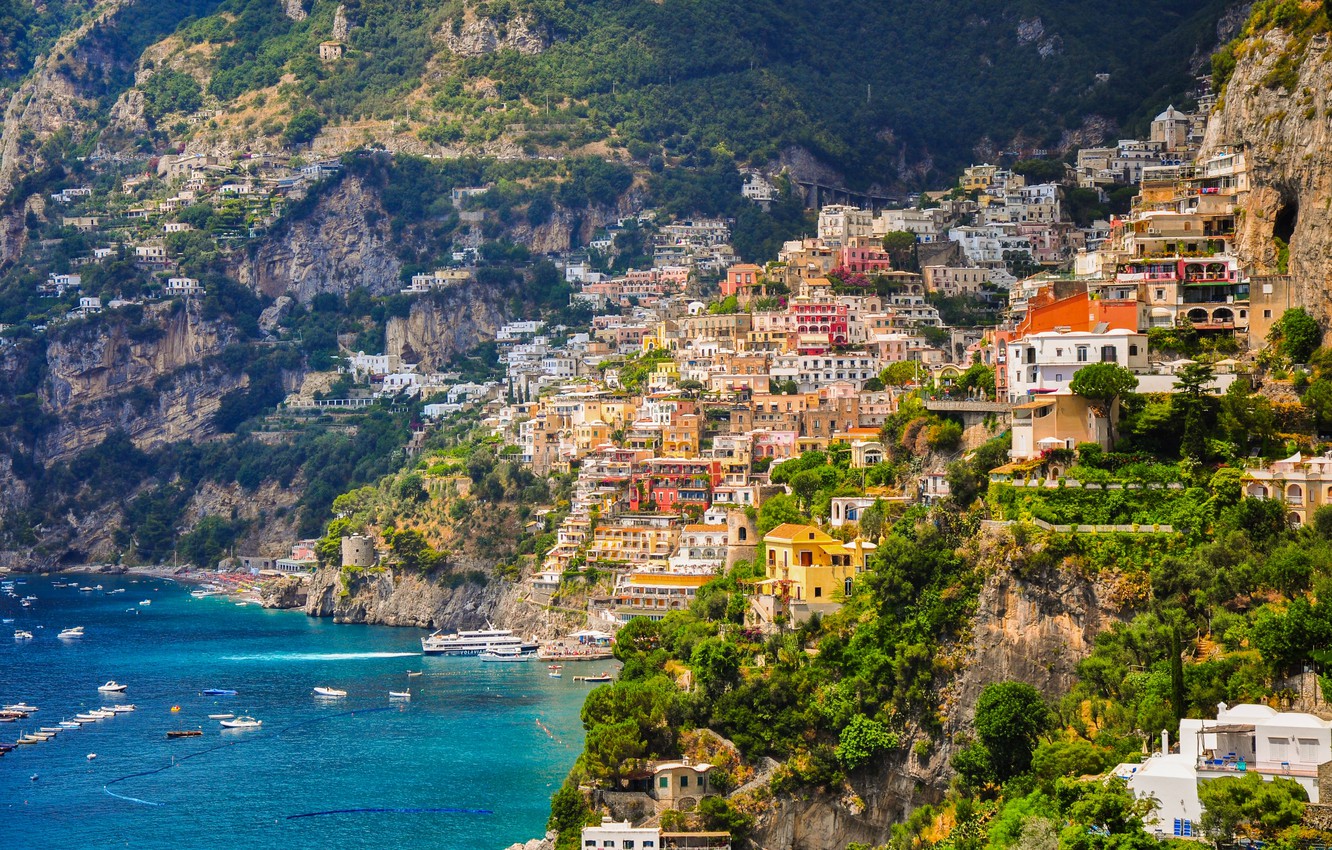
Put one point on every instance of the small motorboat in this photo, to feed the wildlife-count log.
(29, 739)
(242, 723)
(241, 604)
(97, 587)
(22, 634)
(146, 602)
(89, 717)
(555, 674)
(112, 687)
(593, 680)
(413, 673)
(70, 724)
(21, 706)
(185, 733)
(400, 694)
(119, 590)
(85, 590)
(329, 692)
(54, 730)
(92, 756)
(220, 716)
(121, 709)
(218, 692)
(75, 632)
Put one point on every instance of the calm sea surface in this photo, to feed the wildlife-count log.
(472, 744)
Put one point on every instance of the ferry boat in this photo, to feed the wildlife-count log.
(75, 632)
(474, 642)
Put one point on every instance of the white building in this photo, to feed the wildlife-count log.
(923, 224)
(182, 286)
(1045, 362)
(838, 223)
(1242, 739)
(620, 835)
(758, 188)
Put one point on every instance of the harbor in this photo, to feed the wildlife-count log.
(407, 727)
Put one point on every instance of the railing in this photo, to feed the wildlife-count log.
(1277, 768)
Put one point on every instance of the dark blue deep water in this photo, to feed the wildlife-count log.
(471, 738)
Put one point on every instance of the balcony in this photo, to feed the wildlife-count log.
(1270, 768)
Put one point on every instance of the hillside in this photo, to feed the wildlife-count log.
(880, 95)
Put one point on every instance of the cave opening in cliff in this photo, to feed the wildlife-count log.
(1283, 226)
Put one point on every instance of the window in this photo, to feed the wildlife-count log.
(665, 782)
(818, 592)
(1308, 750)
(1183, 827)
(1267, 314)
(684, 781)
(1160, 295)
(1133, 351)
(1279, 748)
(1082, 354)
(590, 843)
(608, 844)
(628, 844)
(1109, 354)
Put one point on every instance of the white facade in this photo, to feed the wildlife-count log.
(839, 223)
(620, 835)
(1046, 362)
(1242, 739)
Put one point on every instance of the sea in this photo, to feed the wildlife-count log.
(470, 761)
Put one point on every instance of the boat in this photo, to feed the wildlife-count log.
(97, 587)
(400, 694)
(54, 730)
(70, 724)
(30, 598)
(329, 692)
(413, 673)
(473, 642)
(43, 736)
(112, 687)
(246, 722)
(73, 632)
(185, 733)
(592, 680)
(555, 674)
(30, 739)
(120, 709)
(22, 634)
(92, 756)
(507, 653)
(146, 602)
(218, 692)
(118, 590)
(241, 604)
(20, 706)
(220, 716)
(85, 590)
(27, 603)
(88, 717)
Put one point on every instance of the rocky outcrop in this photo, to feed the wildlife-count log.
(483, 36)
(1279, 118)
(445, 323)
(295, 9)
(340, 26)
(285, 592)
(147, 379)
(343, 244)
(389, 598)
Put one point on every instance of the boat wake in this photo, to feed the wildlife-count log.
(318, 656)
(392, 811)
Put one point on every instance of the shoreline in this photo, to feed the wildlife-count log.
(180, 575)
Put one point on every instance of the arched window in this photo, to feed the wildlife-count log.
(1295, 494)
(846, 586)
(744, 534)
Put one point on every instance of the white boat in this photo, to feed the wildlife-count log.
(21, 706)
(120, 709)
(473, 642)
(70, 724)
(507, 653)
(400, 694)
(242, 723)
(74, 632)
(146, 602)
(22, 634)
(89, 717)
(329, 692)
(220, 716)
(112, 687)
(118, 590)
(85, 590)
(54, 730)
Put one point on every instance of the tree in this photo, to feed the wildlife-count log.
(806, 484)
(1101, 384)
(1190, 404)
(1296, 335)
(302, 127)
(777, 510)
(716, 665)
(900, 374)
(1249, 807)
(1010, 718)
(901, 248)
(861, 740)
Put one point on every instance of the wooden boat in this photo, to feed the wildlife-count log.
(185, 733)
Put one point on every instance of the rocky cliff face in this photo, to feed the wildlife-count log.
(1034, 630)
(343, 244)
(445, 323)
(150, 381)
(1288, 141)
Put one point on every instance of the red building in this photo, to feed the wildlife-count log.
(740, 278)
(821, 318)
(864, 259)
(672, 483)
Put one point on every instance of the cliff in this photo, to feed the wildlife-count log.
(445, 323)
(1275, 108)
(1033, 629)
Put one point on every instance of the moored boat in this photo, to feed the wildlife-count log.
(400, 694)
(220, 716)
(473, 642)
(329, 692)
(112, 687)
(507, 653)
(218, 692)
(74, 632)
(22, 634)
(184, 733)
(246, 722)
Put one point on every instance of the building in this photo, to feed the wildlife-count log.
(654, 594)
(1057, 421)
(805, 564)
(182, 286)
(1242, 739)
(1304, 484)
(839, 223)
(331, 51)
(621, 835)
(1045, 362)
(358, 550)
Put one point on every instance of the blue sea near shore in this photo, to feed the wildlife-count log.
(470, 762)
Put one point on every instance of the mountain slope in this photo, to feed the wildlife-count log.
(877, 93)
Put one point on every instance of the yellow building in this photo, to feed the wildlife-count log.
(807, 565)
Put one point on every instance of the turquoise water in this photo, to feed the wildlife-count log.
(471, 740)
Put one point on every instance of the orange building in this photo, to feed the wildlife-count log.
(1079, 312)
